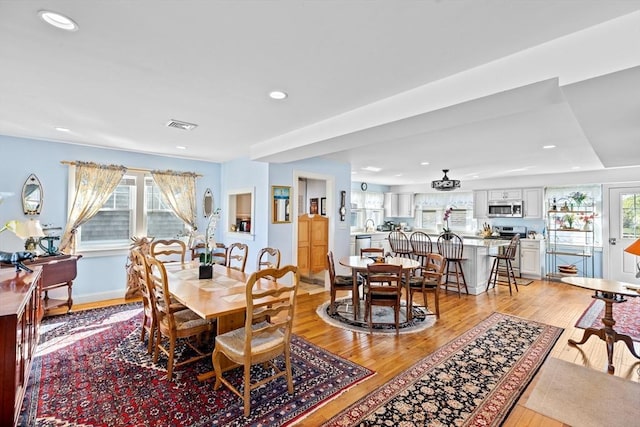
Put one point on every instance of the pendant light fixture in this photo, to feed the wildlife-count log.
(445, 184)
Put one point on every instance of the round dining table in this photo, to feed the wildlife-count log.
(358, 264)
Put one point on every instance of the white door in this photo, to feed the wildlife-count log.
(624, 229)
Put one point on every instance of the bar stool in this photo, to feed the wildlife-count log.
(450, 247)
(421, 246)
(508, 256)
(400, 244)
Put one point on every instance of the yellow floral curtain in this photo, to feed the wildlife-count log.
(94, 184)
(179, 191)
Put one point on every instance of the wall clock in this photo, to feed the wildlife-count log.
(343, 208)
(363, 186)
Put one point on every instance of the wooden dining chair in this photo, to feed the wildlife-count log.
(264, 341)
(400, 244)
(505, 258)
(451, 247)
(168, 250)
(337, 282)
(383, 288)
(174, 322)
(237, 256)
(428, 281)
(268, 258)
(140, 270)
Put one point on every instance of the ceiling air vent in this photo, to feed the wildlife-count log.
(181, 125)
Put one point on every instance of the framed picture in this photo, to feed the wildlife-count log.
(313, 205)
(323, 206)
(281, 204)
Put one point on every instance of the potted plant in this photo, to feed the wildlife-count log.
(206, 265)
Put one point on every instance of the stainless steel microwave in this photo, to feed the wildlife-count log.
(505, 209)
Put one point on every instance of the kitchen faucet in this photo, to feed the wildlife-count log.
(366, 225)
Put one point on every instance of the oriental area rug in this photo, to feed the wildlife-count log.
(383, 322)
(474, 380)
(92, 369)
(626, 315)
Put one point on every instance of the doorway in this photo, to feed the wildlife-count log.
(310, 186)
(624, 229)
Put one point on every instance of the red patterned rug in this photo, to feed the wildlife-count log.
(626, 315)
(473, 380)
(92, 369)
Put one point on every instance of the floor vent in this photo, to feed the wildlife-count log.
(181, 125)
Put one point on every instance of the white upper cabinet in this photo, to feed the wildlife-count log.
(480, 202)
(533, 203)
(398, 205)
(506, 194)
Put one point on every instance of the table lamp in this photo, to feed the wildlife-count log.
(634, 249)
(30, 230)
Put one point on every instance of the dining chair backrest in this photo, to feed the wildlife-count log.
(384, 278)
(399, 243)
(332, 268)
(372, 252)
(450, 246)
(433, 271)
(237, 256)
(421, 244)
(268, 258)
(160, 294)
(169, 250)
(511, 250)
(141, 276)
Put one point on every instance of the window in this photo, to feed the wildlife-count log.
(132, 210)
(630, 208)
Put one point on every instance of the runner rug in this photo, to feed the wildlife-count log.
(473, 380)
(626, 315)
(92, 369)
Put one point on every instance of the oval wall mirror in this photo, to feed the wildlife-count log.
(207, 203)
(32, 196)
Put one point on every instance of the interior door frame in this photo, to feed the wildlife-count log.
(606, 218)
(330, 187)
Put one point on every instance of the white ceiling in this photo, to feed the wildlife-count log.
(475, 87)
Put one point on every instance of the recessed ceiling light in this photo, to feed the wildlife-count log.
(575, 167)
(398, 174)
(61, 129)
(181, 147)
(58, 20)
(547, 147)
(424, 163)
(372, 169)
(278, 94)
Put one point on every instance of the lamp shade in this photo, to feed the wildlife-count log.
(634, 248)
(30, 228)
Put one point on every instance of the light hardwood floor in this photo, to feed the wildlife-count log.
(554, 303)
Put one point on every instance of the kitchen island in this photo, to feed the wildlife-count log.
(477, 256)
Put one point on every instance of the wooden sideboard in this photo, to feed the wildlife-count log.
(58, 271)
(20, 316)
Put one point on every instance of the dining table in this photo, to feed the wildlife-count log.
(222, 297)
(610, 292)
(358, 264)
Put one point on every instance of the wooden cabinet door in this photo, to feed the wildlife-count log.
(319, 243)
(304, 244)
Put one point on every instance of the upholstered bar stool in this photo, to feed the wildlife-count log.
(505, 258)
(450, 247)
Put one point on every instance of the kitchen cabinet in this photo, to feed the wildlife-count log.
(480, 201)
(531, 258)
(532, 198)
(506, 194)
(381, 240)
(313, 243)
(399, 205)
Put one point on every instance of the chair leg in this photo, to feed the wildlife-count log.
(287, 364)
(464, 280)
(172, 349)
(215, 359)
(247, 389)
(494, 267)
